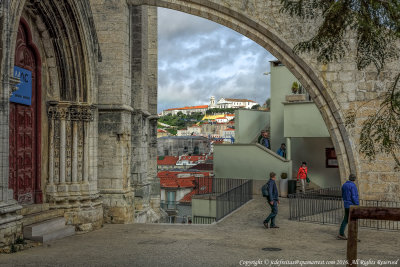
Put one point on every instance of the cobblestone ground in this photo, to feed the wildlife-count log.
(239, 237)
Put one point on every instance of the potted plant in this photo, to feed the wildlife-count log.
(295, 87)
(284, 175)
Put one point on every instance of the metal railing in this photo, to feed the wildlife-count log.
(203, 220)
(209, 185)
(169, 205)
(235, 197)
(326, 207)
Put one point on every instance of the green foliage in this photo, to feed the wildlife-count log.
(255, 107)
(381, 132)
(267, 103)
(20, 240)
(172, 131)
(376, 24)
(295, 87)
(180, 121)
(220, 110)
(376, 27)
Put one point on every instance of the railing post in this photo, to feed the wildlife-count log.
(352, 239)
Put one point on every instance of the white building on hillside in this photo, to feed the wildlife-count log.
(235, 103)
(186, 110)
(222, 119)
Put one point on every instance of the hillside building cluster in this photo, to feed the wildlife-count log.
(222, 103)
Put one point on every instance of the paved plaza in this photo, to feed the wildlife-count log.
(238, 238)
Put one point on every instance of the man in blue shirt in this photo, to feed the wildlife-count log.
(282, 151)
(273, 201)
(350, 197)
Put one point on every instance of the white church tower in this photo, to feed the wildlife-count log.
(212, 102)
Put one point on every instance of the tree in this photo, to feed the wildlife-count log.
(255, 107)
(376, 26)
(267, 103)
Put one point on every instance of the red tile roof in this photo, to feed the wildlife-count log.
(167, 160)
(188, 197)
(185, 108)
(172, 182)
(193, 158)
(204, 186)
(174, 174)
(203, 166)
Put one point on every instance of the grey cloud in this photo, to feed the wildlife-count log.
(198, 58)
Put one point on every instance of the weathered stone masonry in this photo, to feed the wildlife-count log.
(99, 101)
(334, 87)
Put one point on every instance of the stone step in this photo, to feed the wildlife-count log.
(66, 230)
(41, 216)
(44, 227)
(34, 208)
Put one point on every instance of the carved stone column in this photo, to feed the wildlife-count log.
(69, 156)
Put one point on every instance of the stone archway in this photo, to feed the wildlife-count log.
(65, 38)
(246, 17)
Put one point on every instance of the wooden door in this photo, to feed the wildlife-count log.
(24, 128)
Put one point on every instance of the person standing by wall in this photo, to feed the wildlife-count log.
(261, 137)
(302, 176)
(350, 197)
(282, 151)
(264, 140)
(273, 201)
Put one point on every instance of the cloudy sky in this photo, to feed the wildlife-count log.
(198, 58)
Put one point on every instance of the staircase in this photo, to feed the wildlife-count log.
(48, 230)
(42, 224)
(309, 186)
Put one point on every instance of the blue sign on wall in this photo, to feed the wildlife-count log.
(23, 94)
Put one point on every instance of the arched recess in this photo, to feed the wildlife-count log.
(71, 31)
(259, 33)
(24, 148)
(64, 29)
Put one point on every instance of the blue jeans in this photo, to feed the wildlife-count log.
(272, 215)
(345, 221)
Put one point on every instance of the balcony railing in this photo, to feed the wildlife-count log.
(325, 206)
(234, 198)
(169, 205)
(227, 195)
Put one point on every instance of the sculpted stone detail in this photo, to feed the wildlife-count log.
(67, 111)
(68, 123)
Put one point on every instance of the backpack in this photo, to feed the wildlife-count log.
(264, 190)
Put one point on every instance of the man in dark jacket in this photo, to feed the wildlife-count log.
(273, 201)
(350, 197)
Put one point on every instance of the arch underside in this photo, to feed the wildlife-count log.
(238, 21)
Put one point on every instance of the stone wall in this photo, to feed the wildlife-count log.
(67, 162)
(121, 82)
(127, 110)
(334, 87)
(182, 145)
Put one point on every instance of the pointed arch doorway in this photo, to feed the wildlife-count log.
(24, 144)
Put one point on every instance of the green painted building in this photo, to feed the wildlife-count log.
(294, 120)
